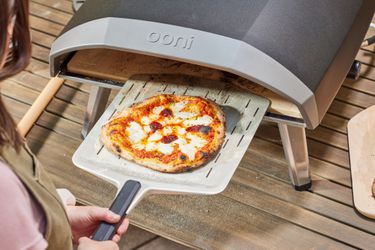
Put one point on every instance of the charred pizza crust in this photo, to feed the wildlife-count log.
(167, 133)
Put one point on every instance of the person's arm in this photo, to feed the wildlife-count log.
(22, 219)
(85, 219)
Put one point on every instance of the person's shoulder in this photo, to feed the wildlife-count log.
(10, 184)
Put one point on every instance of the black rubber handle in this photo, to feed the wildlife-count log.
(106, 231)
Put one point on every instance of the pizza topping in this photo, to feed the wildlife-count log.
(166, 149)
(196, 141)
(169, 138)
(138, 146)
(155, 126)
(185, 115)
(199, 128)
(181, 131)
(205, 129)
(135, 132)
(113, 132)
(167, 130)
(177, 107)
(151, 146)
(145, 120)
(157, 110)
(204, 120)
(191, 148)
(118, 149)
(147, 129)
(155, 136)
(204, 154)
(166, 112)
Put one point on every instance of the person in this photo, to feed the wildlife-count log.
(31, 212)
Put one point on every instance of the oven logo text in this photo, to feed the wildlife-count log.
(170, 40)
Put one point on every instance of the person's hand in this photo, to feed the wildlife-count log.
(85, 243)
(85, 219)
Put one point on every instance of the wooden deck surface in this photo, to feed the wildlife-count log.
(259, 208)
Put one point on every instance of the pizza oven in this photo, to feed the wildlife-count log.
(300, 51)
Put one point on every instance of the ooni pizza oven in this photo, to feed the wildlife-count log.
(301, 50)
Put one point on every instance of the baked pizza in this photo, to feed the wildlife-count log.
(167, 133)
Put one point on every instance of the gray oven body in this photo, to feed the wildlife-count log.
(301, 50)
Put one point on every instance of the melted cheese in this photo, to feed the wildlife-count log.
(138, 146)
(157, 110)
(185, 115)
(191, 148)
(204, 120)
(145, 120)
(181, 131)
(178, 106)
(166, 149)
(135, 132)
(196, 141)
(151, 146)
(189, 144)
(167, 130)
(155, 136)
(147, 129)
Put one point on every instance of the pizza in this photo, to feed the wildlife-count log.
(167, 133)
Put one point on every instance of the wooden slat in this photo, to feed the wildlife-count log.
(41, 38)
(308, 200)
(318, 167)
(329, 137)
(356, 98)
(51, 14)
(65, 6)
(299, 216)
(335, 123)
(343, 109)
(368, 72)
(317, 149)
(56, 106)
(66, 93)
(46, 120)
(244, 227)
(45, 26)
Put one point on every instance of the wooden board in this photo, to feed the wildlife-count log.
(361, 136)
(120, 66)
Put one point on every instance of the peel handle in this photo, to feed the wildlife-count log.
(39, 105)
(120, 205)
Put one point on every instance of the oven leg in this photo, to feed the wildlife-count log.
(95, 107)
(295, 150)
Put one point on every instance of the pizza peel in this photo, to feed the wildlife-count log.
(243, 112)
